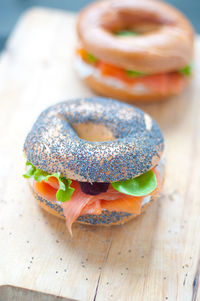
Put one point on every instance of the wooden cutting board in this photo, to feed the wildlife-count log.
(153, 258)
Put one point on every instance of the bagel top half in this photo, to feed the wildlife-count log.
(164, 42)
(94, 140)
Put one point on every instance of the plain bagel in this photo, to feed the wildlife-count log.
(167, 48)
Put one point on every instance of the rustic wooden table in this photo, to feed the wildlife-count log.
(156, 256)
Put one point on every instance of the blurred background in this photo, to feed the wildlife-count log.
(10, 11)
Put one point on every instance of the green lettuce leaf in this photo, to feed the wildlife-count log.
(91, 58)
(187, 70)
(132, 73)
(139, 186)
(64, 192)
(125, 33)
(30, 172)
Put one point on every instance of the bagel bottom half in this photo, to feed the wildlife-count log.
(105, 89)
(106, 218)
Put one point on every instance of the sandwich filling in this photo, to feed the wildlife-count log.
(81, 198)
(140, 83)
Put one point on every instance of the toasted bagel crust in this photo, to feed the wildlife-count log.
(167, 48)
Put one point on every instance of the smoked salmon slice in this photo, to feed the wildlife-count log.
(73, 208)
(45, 190)
(81, 203)
(171, 82)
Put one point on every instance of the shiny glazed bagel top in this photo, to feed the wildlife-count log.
(164, 41)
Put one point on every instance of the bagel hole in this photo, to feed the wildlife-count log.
(93, 132)
(135, 22)
(137, 29)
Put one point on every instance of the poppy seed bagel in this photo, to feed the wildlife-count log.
(94, 140)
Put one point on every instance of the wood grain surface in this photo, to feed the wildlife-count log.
(153, 258)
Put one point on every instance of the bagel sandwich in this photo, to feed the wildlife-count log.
(94, 161)
(135, 51)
